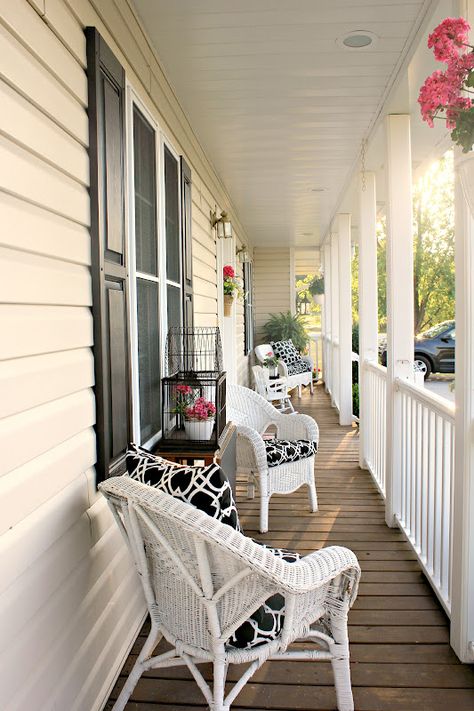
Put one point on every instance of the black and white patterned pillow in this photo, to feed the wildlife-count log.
(266, 623)
(286, 351)
(207, 488)
(282, 451)
(301, 366)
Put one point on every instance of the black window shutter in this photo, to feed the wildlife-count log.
(106, 80)
(187, 244)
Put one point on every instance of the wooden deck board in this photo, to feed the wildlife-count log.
(401, 658)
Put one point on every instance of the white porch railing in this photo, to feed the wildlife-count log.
(316, 348)
(374, 429)
(426, 471)
(427, 466)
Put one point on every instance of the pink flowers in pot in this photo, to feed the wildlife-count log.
(231, 282)
(201, 410)
(443, 95)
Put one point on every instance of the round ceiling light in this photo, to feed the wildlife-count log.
(357, 39)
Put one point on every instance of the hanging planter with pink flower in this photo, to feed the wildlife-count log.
(232, 289)
(447, 94)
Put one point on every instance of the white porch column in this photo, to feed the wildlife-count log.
(335, 319)
(368, 310)
(326, 251)
(462, 582)
(400, 320)
(345, 319)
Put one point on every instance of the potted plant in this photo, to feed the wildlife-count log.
(232, 289)
(271, 362)
(316, 288)
(286, 326)
(446, 94)
(183, 398)
(199, 419)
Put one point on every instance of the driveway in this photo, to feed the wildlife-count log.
(440, 384)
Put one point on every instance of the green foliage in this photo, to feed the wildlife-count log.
(433, 249)
(283, 326)
(355, 399)
(316, 285)
(463, 134)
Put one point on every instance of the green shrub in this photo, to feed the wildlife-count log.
(355, 399)
(285, 326)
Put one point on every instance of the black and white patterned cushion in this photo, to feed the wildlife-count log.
(207, 488)
(282, 451)
(301, 366)
(286, 351)
(266, 623)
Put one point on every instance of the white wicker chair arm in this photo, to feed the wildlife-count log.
(309, 573)
(296, 427)
(251, 452)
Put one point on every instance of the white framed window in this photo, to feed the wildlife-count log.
(156, 259)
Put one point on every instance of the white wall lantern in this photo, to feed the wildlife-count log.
(242, 254)
(222, 224)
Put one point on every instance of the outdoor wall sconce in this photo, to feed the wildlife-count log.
(242, 254)
(222, 224)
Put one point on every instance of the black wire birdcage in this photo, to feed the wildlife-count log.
(193, 390)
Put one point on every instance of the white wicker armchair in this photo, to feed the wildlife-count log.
(202, 579)
(253, 415)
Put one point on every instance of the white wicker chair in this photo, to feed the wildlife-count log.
(272, 390)
(202, 580)
(294, 381)
(253, 415)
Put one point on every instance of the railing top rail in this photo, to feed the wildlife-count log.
(436, 403)
(375, 367)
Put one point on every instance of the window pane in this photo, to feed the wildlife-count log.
(174, 306)
(149, 358)
(145, 194)
(172, 218)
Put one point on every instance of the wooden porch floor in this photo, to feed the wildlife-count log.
(401, 658)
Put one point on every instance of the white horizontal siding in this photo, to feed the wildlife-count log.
(70, 603)
(272, 285)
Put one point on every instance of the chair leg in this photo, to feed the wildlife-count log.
(313, 497)
(137, 670)
(299, 390)
(311, 387)
(220, 672)
(264, 504)
(340, 665)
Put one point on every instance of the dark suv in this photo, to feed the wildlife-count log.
(434, 349)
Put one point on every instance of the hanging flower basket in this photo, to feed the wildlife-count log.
(446, 95)
(232, 289)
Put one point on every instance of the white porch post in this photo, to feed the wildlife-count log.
(462, 581)
(345, 319)
(334, 319)
(400, 320)
(327, 318)
(368, 311)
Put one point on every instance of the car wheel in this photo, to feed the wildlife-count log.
(423, 364)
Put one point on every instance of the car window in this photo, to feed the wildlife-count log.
(436, 330)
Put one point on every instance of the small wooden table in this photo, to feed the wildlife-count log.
(223, 454)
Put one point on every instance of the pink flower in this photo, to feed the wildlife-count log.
(201, 410)
(184, 389)
(452, 113)
(448, 39)
(229, 272)
(439, 91)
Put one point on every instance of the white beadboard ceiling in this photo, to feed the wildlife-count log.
(278, 105)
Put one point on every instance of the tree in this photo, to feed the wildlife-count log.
(433, 248)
